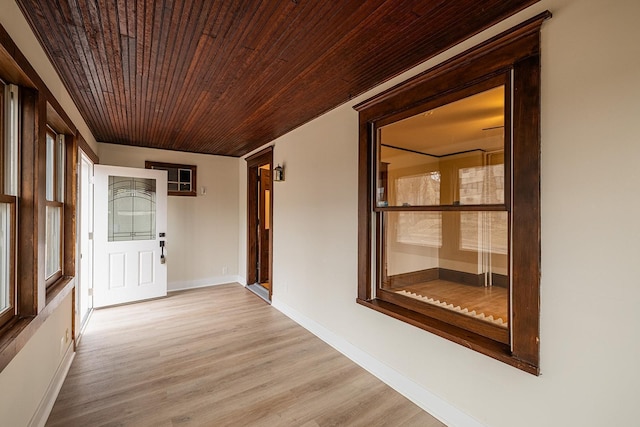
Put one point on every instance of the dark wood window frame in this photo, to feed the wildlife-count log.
(517, 52)
(65, 194)
(11, 308)
(193, 192)
(56, 201)
(37, 109)
(10, 201)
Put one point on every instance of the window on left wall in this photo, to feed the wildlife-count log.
(54, 241)
(8, 199)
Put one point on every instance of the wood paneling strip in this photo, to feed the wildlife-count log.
(224, 78)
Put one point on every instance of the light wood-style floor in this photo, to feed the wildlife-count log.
(218, 356)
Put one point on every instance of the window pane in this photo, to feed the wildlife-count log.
(132, 209)
(418, 228)
(11, 142)
(454, 260)
(50, 177)
(60, 169)
(483, 184)
(5, 256)
(456, 150)
(422, 189)
(180, 178)
(52, 251)
(185, 176)
(486, 231)
(144, 209)
(172, 173)
(3, 167)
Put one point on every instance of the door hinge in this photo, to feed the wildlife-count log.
(90, 235)
(90, 292)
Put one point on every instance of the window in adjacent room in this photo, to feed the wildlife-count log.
(445, 213)
(55, 149)
(181, 179)
(449, 199)
(8, 199)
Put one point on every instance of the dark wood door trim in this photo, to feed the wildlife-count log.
(253, 164)
(264, 226)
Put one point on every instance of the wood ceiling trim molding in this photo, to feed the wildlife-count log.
(224, 78)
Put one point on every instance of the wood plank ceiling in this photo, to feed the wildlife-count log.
(225, 77)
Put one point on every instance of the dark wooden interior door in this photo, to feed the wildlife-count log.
(264, 228)
(259, 224)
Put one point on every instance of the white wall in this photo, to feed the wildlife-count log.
(26, 379)
(16, 25)
(39, 364)
(202, 231)
(590, 344)
(590, 236)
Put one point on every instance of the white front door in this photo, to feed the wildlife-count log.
(130, 221)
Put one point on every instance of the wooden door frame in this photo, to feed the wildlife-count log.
(84, 154)
(264, 210)
(253, 164)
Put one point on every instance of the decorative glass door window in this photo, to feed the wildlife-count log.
(132, 209)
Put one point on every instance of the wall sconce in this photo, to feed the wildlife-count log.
(278, 173)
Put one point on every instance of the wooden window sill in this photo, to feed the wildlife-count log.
(468, 339)
(59, 290)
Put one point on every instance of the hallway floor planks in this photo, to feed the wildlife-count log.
(218, 356)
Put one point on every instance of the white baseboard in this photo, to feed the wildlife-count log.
(41, 415)
(439, 408)
(202, 283)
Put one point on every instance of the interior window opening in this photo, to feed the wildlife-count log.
(435, 252)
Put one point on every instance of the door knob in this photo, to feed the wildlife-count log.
(162, 258)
